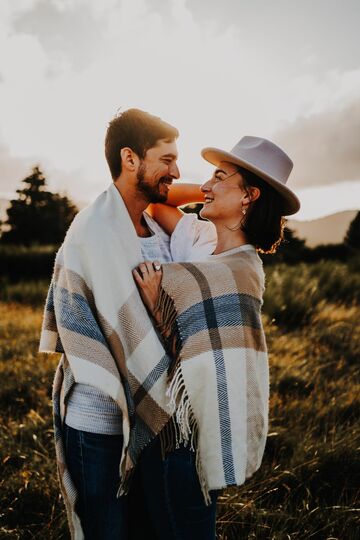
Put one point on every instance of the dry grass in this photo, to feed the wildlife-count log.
(308, 485)
(29, 499)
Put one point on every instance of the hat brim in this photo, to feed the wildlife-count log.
(216, 156)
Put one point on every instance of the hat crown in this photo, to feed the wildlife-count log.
(264, 156)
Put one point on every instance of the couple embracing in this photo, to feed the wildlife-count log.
(161, 393)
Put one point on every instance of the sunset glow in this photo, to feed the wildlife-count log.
(216, 71)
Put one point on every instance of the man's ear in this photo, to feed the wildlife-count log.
(129, 160)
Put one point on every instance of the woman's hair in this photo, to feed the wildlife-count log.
(137, 130)
(263, 223)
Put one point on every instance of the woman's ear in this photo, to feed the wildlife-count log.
(129, 160)
(252, 193)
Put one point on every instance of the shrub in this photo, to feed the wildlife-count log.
(24, 263)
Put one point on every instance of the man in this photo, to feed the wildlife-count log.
(142, 156)
(141, 153)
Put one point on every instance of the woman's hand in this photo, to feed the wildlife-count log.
(148, 277)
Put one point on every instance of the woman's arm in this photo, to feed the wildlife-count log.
(180, 194)
(168, 215)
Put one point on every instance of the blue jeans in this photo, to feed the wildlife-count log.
(93, 462)
(174, 507)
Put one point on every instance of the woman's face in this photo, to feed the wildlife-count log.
(224, 196)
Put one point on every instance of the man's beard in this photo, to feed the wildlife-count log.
(150, 192)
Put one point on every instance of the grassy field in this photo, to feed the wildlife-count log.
(308, 485)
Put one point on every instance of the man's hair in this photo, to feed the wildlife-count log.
(137, 130)
(263, 223)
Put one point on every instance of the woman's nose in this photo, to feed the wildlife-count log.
(206, 186)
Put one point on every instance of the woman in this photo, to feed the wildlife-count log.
(207, 310)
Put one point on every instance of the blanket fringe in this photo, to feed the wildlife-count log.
(165, 305)
(185, 425)
(169, 329)
(169, 437)
(125, 482)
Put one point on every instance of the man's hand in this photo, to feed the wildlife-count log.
(148, 277)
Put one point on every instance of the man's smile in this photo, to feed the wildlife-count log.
(165, 182)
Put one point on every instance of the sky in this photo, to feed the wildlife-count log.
(281, 69)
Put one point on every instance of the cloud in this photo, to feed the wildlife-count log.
(166, 65)
(69, 31)
(325, 147)
(290, 32)
(66, 66)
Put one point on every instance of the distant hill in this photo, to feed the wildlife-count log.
(328, 230)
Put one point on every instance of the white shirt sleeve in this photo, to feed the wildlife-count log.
(192, 239)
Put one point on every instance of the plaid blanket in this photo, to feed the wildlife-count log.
(94, 316)
(211, 317)
(217, 391)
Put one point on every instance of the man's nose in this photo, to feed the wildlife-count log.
(174, 171)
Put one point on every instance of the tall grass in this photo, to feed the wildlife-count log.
(31, 292)
(294, 294)
(308, 484)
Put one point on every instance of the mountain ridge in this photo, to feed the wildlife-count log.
(326, 230)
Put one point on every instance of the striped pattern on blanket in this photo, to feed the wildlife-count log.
(219, 387)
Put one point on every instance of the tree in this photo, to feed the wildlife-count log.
(352, 237)
(37, 216)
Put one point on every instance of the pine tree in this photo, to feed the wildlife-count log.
(37, 216)
(352, 237)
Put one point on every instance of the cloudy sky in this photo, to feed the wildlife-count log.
(218, 70)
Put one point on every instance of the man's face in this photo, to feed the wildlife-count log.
(157, 171)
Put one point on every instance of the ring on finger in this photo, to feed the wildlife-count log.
(157, 267)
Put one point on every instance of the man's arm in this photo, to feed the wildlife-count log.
(168, 215)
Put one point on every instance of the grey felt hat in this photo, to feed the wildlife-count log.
(263, 158)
